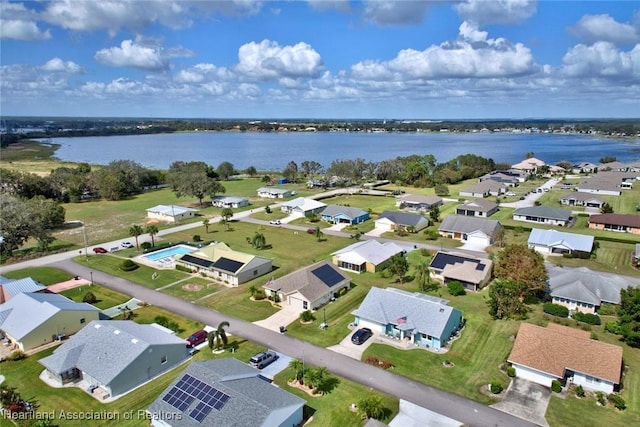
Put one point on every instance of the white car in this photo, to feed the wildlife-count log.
(275, 222)
(126, 245)
(510, 193)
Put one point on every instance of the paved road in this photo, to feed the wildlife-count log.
(467, 411)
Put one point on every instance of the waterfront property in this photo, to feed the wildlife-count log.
(368, 255)
(554, 242)
(170, 213)
(543, 354)
(623, 223)
(225, 393)
(472, 272)
(528, 166)
(420, 319)
(222, 263)
(168, 253)
(115, 356)
(479, 231)
(543, 215)
(30, 320)
(309, 287)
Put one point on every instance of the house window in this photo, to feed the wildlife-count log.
(592, 380)
(82, 320)
(305, 305)
(255, 272)
(163, 360)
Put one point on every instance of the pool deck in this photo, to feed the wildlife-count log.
(166, 262)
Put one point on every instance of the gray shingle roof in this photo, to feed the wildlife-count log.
(478, 205)
(424, 314)
(552, 238)
(403, 218)
(307, 283)
(544, 212)
(25, 312)
(349, 212)
(104, 349)
(469, 224)
(585, 285)
(252, 400)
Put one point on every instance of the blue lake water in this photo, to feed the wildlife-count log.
(272, 151)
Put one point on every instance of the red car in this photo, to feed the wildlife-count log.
(311, 230)
(100, 250)
(197, 338)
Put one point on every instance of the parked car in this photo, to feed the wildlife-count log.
(197, 337)
(126, 245)
(311, 230)
(275, 222)
(99, 250)
(263, 359)
(510, 193)
(361, 335)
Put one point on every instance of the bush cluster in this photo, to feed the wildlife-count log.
(495, 387)
(555, 309)
(307, 316)
(128, 265)
(556, 386)
(372, 360)
(181, 267)
(579, 391)
(456, 288)
(511, 371)
(90, 298)
(591, 319)
(617, 401)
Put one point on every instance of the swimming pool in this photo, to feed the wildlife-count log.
(169, 252)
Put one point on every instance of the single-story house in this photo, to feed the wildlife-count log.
(33, 319)
(484, 189)
(416, 202)
(393, 221)
(543, 215)
(584, 167)
(469, 228)
(472, 272)
(302, 206)
(577, 198)
(478, 207)
(170, 213)
(368, 255)
(274, 193)
(220, 262)
(624, 223)
(309, 287)
(554, 242)
(9, 288)
(581, 289)
(422, 319)
(503, 177)
(229, 202)
(224, 393)
(337, 214)
(565, 354)
(529, 166)
(115, 355)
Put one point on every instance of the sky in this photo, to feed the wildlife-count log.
(322, 59)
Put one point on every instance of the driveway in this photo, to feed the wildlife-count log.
(283, 317)
(276, 367)
(348, 348)
(376, 232)
(411, 415)
(526, 400)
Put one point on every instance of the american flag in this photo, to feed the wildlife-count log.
(401, 320)
(270, 282)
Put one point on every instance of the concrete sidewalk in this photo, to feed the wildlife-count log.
(117, 310)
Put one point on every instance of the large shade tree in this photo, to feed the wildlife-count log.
(195, 179)
(524, 266)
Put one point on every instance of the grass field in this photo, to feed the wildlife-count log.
(45, 275)
(193, 289)
(106, 297)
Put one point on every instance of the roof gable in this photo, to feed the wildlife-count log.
(555, 238)
(469, 224)
(544, 212)
(313, 281)
(403, 218)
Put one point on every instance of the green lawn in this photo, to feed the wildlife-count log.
(236, 302)
(188, 290)
(142, 275)
(106, 297)
(45, 275)
(148, 314)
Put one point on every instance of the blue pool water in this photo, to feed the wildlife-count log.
(164, 253)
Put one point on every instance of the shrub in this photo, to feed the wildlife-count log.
(431, 234)
(601, 397)
(555, 309)
(259, 295)
(181, 267)
(556, 386)
(617, 401)
(267, 209)
(591, 319)
(495, 387)
(307, 316)
(17, 355)
(373, 360)
(145, 246)
(612, 327)
(90, 298)
(511, 371)
(197, 238)
(128, 265)
(579, 391)
(456, 288)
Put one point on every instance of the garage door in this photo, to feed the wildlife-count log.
(477, 240)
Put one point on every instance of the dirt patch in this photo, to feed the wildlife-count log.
(192, 287)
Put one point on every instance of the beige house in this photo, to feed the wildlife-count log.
(170, 213)
(32, 319)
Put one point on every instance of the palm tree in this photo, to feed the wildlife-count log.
(318, 233)
(258, 241)
(423, 276)
(224, 223)
(298, 369)
(372, 407)
(206, 225)
(136, 231)
(152, 229)
(222, 334)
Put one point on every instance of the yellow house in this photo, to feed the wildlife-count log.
(32, 319)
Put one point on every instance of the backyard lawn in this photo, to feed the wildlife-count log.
(236, 302)
(45, 275)
(106, 297)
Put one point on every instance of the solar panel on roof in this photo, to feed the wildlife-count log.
(188, 389)
(328, 275)
(197, 261)
(227, 264)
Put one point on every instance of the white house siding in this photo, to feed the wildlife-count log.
(384, 224)
(538, 220)
(375, 327)
(478, 238)
(534, 375)
(574, 305)
(297, 301)
(592, 383)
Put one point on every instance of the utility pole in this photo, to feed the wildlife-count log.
(84, 231)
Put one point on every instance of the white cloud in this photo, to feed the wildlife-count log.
(112, 15)
(384, 12)
(19, 23)
(323, 5)
(139, 55)
(268, 60)
(203, 73)
(486, 12)
(58, 65)
(603, 60)
(472, 55)
(593, 28)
